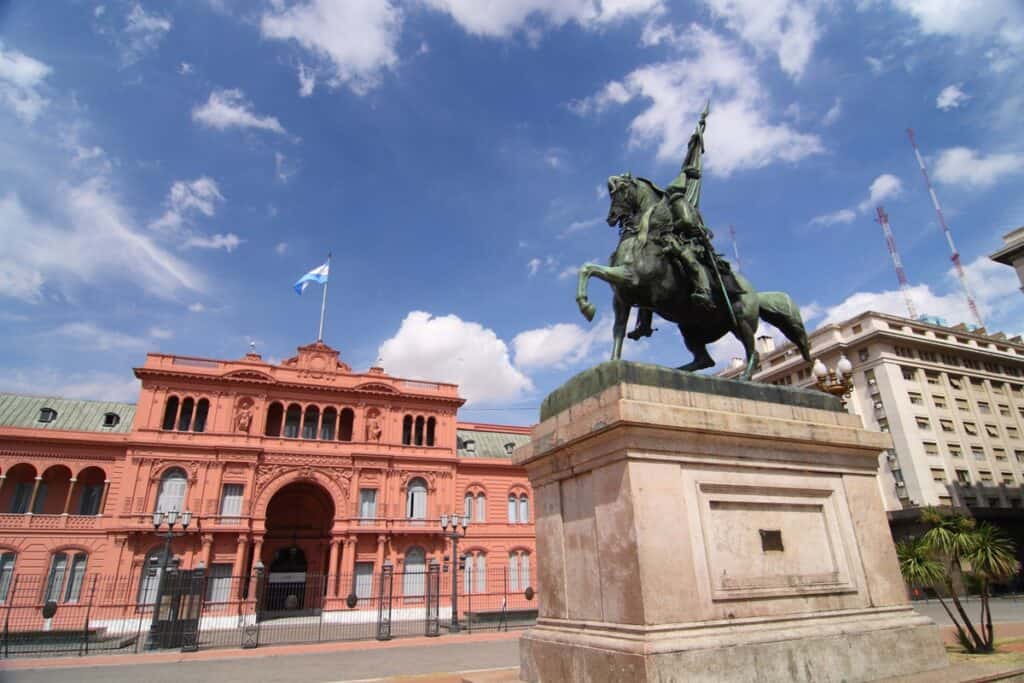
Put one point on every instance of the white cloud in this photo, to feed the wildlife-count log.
(964, 166)
(579, 226)
(558, 345)
(89, 239)
(951, 97)
(739, 137)
(21, 77)
(353, 41)
(91, 337)
(228, 242)
(447, 348)
(196, 307)
(980, 21)
(885, 186)
(281, 248)
(501, 19)
(307, 81)
(161, 333)
(142, 33)
(840, 217)
(535, 264)
(201, 195)
(832, 115)
(101, 386)
(876, 64)
(568, 272)
(229, 109)
(283, 168)
(553, 158)
(185, 68)
(787, 28)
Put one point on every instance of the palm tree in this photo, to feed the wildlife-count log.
(992, 559)
(920, 569)
(951, 538)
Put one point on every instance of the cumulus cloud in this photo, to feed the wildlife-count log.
(536, 264)
(186, 199)
(101, 386)
(982, 21)
(833, 113)
(951, 97)
(228, 242)
(965, 166)
(21, 79)
(90, 238)
(739, 136)
(885, 186)
(230, 109)
(142, 33)
(89, 336)
(501, 19)
(196, 307)
(787, 28)
(558, 346)
(840, 217)
(447, 348)
(353, 42)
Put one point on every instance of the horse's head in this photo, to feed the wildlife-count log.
(622, 191)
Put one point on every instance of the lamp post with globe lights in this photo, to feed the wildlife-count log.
(455, 527)
(170, 518)
(838, 382)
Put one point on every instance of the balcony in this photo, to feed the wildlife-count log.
(29, 522)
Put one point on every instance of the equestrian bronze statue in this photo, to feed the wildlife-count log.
(665, 264)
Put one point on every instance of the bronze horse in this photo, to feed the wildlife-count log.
(641, 275)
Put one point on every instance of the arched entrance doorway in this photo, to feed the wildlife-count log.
(296, 548)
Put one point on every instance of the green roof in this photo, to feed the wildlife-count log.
(76, 415)
(487, 444)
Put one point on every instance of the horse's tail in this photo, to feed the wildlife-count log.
(778, 309)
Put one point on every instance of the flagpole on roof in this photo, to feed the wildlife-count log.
(323, 303)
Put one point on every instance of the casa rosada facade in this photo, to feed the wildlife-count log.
(303, 469)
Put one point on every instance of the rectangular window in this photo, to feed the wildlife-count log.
(364, 580)
(971, 428)
(368, 503)
(89, 503)
(903, 351)
(77, 575)
(928, 356)
(1012, 433)
(1000, 453)
(6, 572)
(957, 382)
(932, 378)
(231, 501)
(481, 508)
(977, 384)
(513, 573)
(923, 423)
(986, 477)
(915, 398)
(909, 374)
(55, 579)
(961, 404)
(992, 431)
(998, 387)
(947, 426)
(954, 450)
(939, 401)
(978, 452)
(931, 448)
(1019, 455)
(218, 583)
(883, 425)
(963, 476)
(481, 573)
(1007, 478)
(984, 408)
(1004, 410)
(22, 494)
(938, 475)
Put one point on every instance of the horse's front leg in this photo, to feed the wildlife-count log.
(616, 276)
(621, 309)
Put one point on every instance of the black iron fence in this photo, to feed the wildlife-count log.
(95, 614)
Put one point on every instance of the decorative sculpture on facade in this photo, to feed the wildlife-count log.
(374, 430)
(243, 418)
(665, 264)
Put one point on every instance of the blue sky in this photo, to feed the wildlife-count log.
(168, 170)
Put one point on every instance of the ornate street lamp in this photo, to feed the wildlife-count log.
(455, 527)
(838, 382)
(159, 519)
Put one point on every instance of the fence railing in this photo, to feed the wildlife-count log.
(81, 615)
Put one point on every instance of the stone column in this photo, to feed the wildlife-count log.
(35, 492)
(381, 540)
(103, 496)
(207, 547)
(332, 569)
(239, 566)
(348, 560)
(257, 548)
(71, 489)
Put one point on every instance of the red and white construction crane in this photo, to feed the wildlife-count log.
(945, 229)
(901, 275)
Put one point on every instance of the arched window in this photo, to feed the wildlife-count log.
(415, 567)
(481, 507)
(348, 418)
(172, 490)
(90, 485)
(6, 573)
(64, 580)
(170, 412)
(275, 416)
(518, 570)
(202, 410)
(291, 421)
(407, 430)
(513, 508)
(310, 422)
(328, 423)
(431, 429)
(467, 505)
(524, 509)
(418, 439)
(185, 416)
(475, 580)
(416, 499)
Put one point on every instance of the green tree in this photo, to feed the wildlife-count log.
(955, 548)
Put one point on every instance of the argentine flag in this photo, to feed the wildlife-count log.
(318, 274)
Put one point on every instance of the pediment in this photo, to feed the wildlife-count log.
(250, 375)
(373, 386)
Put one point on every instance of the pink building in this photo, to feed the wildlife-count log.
(318, 473)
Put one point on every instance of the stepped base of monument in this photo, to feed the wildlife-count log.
(857, 645)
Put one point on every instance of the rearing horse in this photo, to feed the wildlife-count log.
(641, 275)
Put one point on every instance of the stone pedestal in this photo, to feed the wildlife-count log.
(697, 529)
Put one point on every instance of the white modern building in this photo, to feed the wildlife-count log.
(1012, 252)
(952, 398)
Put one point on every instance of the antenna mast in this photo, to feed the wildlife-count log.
(901, 275)
(955, 258)
(735, 247)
